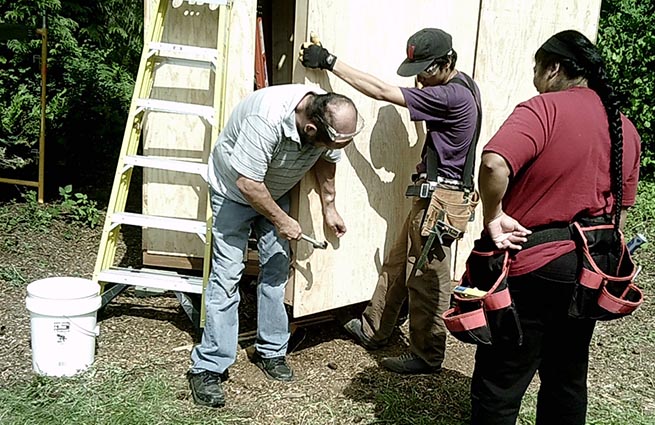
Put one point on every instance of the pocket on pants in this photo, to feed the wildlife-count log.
(505, 326)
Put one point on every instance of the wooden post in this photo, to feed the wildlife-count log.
(18, 32)
(43, 31)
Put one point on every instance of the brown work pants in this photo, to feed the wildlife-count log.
(428, 292)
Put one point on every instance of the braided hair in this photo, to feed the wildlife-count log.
(578, 57)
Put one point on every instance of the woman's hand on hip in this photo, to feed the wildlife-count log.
(506, 232)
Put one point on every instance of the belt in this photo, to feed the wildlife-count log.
(425, 189)
(452, 182)
(561, 232)
(548, 234)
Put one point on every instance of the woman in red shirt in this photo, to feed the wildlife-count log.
(563, 155)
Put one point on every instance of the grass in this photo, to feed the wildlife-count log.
(116, 396)
(74, 208)
(448, 405)
(601, 411)
(12, 276)
(103, 397)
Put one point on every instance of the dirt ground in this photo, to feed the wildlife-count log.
(154, 332)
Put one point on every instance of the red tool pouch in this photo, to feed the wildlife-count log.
(491, 317)
(605, 288)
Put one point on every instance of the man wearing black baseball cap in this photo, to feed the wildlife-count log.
(423, 48)
(448, 101)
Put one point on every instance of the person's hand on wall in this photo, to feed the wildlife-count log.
(506, 232)
(313, 55)
(334, 222)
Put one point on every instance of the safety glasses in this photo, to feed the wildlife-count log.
(429, 71)
(335, 136)
(433, 68)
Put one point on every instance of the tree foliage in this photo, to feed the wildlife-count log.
(93, 54)
(626, 38)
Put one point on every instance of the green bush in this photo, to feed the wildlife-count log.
(30, 214)
(78, 208)
(93, 54)
(626, 37)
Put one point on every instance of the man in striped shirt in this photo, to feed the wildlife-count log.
(273, 137)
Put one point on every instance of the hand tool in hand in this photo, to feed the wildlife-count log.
(314, 242)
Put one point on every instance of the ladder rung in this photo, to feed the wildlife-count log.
(158, 222)
(157, 105)
(209, 2)
(159, 163)
(189, 63)
(193, 53)
(158, 279)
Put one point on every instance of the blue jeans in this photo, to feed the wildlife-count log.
(232, 222)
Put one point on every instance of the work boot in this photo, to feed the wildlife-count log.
(354, 329)
(275, 368)
(408, 363)
(206, 388)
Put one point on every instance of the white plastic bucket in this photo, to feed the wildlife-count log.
(63, 324)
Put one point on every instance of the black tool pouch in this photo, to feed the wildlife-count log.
(605, 289)
(489, 318)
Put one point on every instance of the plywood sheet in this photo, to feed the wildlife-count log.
(182, 195)
(510, 33)
(375, 171)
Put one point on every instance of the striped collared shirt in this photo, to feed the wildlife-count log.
(260, 141)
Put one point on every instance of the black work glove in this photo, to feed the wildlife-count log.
(316, 56)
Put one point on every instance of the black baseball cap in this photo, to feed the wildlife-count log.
(423, 48)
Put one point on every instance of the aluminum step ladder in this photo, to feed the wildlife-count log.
(114, 279)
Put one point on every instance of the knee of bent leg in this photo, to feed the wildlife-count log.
(275, 270)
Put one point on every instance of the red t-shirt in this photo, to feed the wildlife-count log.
(557, 146)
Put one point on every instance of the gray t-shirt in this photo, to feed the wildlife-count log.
(450, 117)
(260, 141)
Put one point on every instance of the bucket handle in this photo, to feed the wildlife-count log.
(93, 332)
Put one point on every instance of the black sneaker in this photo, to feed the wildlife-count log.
(354, 329)
(206, 388)
(409, 363)
(275, 368)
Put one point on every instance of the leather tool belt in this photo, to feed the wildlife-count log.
(449, 211)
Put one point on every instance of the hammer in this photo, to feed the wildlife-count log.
(637, 241)
(314, 242)
(634, 243)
